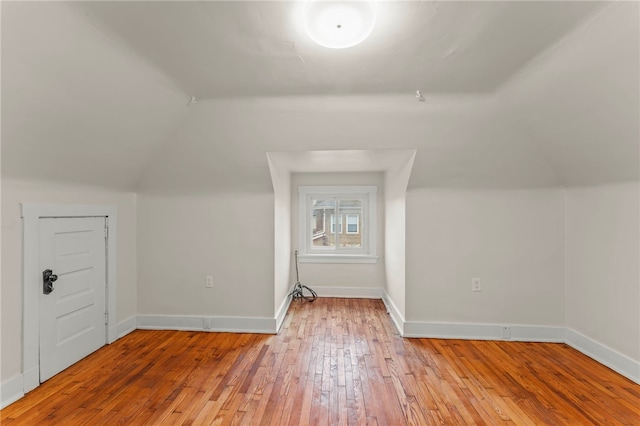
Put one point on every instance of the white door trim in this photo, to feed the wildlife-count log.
(31, 214)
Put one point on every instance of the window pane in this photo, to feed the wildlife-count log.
(352, 224)
(352, 211)
(323, 222)
(337, 222)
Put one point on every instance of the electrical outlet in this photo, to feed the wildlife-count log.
(476, 284)
(206, 323)
(505, 332)
(209, 282)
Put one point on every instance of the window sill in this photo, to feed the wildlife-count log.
(337, 258)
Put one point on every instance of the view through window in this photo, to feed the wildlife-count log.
(338, 223)
(329, 215)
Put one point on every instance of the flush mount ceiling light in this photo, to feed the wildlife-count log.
(339, 24)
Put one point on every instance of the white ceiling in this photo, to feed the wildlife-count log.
(243, 48)
(579, 103)
(518, 94)
(77, 106)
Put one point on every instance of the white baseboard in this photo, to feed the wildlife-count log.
(537, 333)
(125, 327)
(349, 292)
(206, 323)
(282, 313)
(112, 334)
(11, 390)
(520, 333)
(451, 330)
(394, 313)
(31, 379)
(613, 359)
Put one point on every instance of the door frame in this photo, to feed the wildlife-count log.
(31, 277)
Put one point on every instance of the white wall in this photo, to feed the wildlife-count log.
(78, 104)
(15, 192)
(511, 240)
(461, 140)
(340, 279)
(182, 239)
(395, 194)
(571, 100)
(281, 179)
(603, 265)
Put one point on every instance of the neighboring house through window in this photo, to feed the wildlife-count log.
(338, 223)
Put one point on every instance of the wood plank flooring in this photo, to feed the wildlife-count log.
(335, 362)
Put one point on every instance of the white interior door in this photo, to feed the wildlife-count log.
(72, 315)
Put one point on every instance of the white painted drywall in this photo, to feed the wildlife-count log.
(395, 194)
(511, 240)
(15, 192)
(98, 97)
(242, 49)
(572, 99)
(602, 238)
(462, 142)
(281, 180)
(182, 239)
(78, 104)
(333, 278)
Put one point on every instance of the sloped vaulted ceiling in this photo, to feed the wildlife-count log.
(579, 103)
(77, 105)
(218, 49)
(101, 88)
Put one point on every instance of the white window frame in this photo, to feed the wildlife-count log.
(367, 253)
(332, 223)
(346, 219)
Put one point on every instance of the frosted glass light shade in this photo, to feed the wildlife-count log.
(339, 24)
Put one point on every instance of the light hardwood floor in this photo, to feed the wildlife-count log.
(335, 362)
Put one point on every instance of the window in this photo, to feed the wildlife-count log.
(324, 210)
(353, 221)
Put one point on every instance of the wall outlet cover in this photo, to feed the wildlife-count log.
(476, 284)
(505, 332)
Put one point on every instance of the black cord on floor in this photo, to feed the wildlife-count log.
(298, 289)
(298, 293)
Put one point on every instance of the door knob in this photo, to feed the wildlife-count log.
(48, 278)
